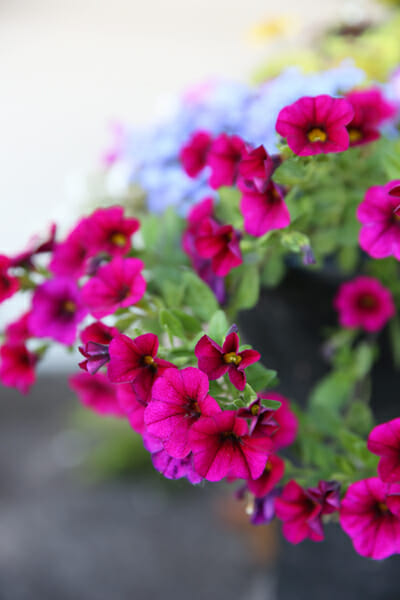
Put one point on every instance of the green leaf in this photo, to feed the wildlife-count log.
(333, 391)
(125, 322)
(364, 359)
(269, 403)
(199, 296)
(172, 293)
(190, 324)
(227, 209)
(248, 290)
(291, 172)
(249, 395)
(273, 271)
(359, 418)
(218, 326)
(259, 377)
(171, 323)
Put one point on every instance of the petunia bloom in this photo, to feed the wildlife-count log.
(223, 159)
(264, 508)
(379, 214)
(315, 125)
(364, 302)
(301, 510)
(18, 331)
(370, 515)
(71, 257)
(264, 211)
(117, 284)
(98, 332)
(110, 231)
(193, 154)
(273, 473)
(260, 418)
(97, 393)
(133, 406)
(220, 243)
(384, 440)
(171, 468)
(255, 169)
(222, 447)
(8, 283)
(179, 399)
(135, 361)
(17, 366)
(96, 338)
(57, 309)
(370, 110)
(287, 421)
(216, 361)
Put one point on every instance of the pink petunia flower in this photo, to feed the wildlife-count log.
(220, 243)
(98, 332)
(71, 257)
(260, 418)
(117, 284)
(56, 311)
(193, 154)
(255, 170)
(18, 331)
(202, 266)
(384, 440)
(8, 283)
(179, 399)
(370, 515)
(265, 211)
(379, 214)
(17, 366)
(316, 125)
(216, 361)
(96, 338)
(110, 231)
(286, 420)
(133, 406)
(364, 302)
(222, 447)
(97, 393)
(224, 158)
(135, 361)
(370, 110)
(301, 510)
(171, 468)
(273, 473)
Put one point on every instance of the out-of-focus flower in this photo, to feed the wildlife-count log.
(384, 440)
(97, 393)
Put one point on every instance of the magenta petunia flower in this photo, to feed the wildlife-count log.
(56, 311)
(8, 283)
(117, 284)
(316, 125)
(97, 393)
(370, 515)
(98, 332)
(110, 231)
(370, 110)
(220, 243)
(18, 331)
(71, 257)
(384, 440)
(171, 468)
(202, 266)
(224, 158)
(264, 508)
(222, 447)
(135, 361)
(379, 214)
(301, 510)
(260, 418)
(265, 211)
(286, 419)
(17, 366)
(216, 361)
(133, 406)
(179, 399)
(193, 154)
(364, 302)
(273, 473)
(255, 170)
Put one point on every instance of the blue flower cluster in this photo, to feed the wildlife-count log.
(222, 106)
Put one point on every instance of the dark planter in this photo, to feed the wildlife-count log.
(287, 328)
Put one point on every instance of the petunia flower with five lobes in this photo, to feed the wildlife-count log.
(179, 399)
(216, 361)
(384, 440)
(193, 154)
(17, 366)
(224, 159)
(264, 211)
(117, 284)
(220, 243)
(110, 231)
(315, 125)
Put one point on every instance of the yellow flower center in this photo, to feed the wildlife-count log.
(148, 360)
(118, 238)
(317, 135)
(69, 306)
(355, 135)
(382, 507)
(232, 358)
(255, 409)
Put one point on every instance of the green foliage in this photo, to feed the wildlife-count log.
(199, 297)
(261, 378)
(218, 327)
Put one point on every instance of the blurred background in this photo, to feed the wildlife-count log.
(76, 520)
